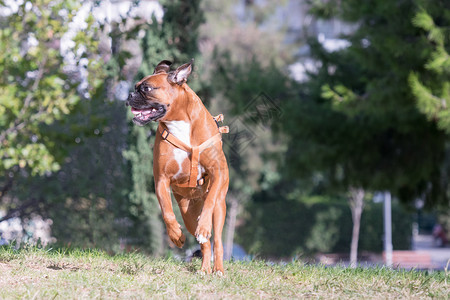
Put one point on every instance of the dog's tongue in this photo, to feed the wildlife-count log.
(143, 114)
(136, 111)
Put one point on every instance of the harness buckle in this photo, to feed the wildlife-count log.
(167, 134)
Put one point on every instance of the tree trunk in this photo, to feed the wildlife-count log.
(231, 226)
(356, 201)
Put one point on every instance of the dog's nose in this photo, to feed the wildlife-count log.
(130, 96)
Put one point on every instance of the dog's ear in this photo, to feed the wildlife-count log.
(180, 75)
(163, 67)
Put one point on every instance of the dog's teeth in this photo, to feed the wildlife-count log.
(147, 112)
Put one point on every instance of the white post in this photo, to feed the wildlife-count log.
(388, 229)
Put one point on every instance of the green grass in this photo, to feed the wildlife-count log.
(51, 274)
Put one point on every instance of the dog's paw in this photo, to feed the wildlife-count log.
(203, 232)
(204, 270)
(176, 235)
(201, 273)
(218, 270)
(201, 239)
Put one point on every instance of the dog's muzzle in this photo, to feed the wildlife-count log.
(144, 111)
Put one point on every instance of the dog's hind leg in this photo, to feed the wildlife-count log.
(206, 260)
(190, 211)
(218, 222)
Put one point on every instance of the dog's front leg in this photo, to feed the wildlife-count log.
(162, 187)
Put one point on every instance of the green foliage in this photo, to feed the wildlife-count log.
(58, 128)
(325, 232)
(356, 122)
(253, 94)
(431, 87)
(323, 9)
(35, 89)
(143, 204)
(174, 39)
(85, 198)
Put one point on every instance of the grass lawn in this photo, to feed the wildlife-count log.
(49, 274)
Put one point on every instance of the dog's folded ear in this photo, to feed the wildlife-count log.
(180, 75)
(163, 67)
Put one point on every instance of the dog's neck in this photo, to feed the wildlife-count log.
(190, 121)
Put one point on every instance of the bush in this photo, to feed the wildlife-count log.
(286, 228)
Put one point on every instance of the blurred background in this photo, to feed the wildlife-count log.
(333, 107)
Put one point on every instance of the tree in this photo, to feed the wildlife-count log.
(37, 89)
(41, 87)
(85, 197)
(431, 86)
(356, 122)
(143, 203)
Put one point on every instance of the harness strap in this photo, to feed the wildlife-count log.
(222, 129)
(195, 157)
(195, 151)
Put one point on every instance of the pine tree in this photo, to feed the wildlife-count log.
(144, 208)
(174, 39)
(357, 116)
(431, 86)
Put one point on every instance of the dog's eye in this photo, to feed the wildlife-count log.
(147, 88)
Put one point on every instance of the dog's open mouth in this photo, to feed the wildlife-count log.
(146, 115)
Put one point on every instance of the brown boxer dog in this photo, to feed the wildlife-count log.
(187, 157)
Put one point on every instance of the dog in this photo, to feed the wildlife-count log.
(187, 158)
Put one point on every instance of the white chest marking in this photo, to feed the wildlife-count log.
(180, 130)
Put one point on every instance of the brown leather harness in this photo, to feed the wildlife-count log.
(194, 151)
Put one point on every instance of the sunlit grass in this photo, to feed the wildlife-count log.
(47, 274)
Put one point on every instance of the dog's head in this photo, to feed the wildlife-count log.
(153, 95)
